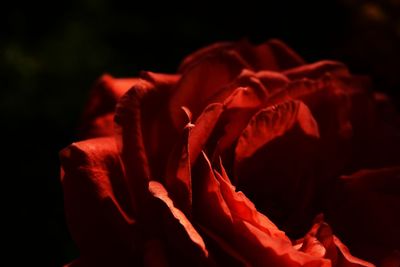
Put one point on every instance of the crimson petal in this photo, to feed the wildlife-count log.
(102, 101)
(180, 233)
(97, 204)
(261, 161)
(201, 81)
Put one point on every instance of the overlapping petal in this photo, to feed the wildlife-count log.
(158, 192)
(97, 205)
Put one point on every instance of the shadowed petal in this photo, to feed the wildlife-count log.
(179, 231)
(277, 137)
(364, 211)
(178, 179)
(202, 130)
(97, 204)
(271, 55)
(317, 70)
(210, 50)
(102, 101)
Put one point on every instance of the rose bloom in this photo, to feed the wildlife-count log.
(248, 156)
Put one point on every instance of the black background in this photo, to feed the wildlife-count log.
(51, 53)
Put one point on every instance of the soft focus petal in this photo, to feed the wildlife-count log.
(97, 204)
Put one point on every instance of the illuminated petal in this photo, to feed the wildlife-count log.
(236, 222)
(201, 81)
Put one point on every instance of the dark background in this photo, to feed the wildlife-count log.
(51, 53)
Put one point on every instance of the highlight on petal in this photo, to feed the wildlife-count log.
(102, 100)
(237, 223)
(349, 260)
(273, 122)
(202, 130)
(239, 107)
(179, 230)
(272, 80)
(178, 179)
(97, 204)
(201, 81)
(321, 241)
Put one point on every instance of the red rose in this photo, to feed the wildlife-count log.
(157, 181)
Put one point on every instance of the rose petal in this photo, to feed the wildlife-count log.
(317, 70)
(102, 125)
(261, 161)
(258, 241)
(334, 108)
(321, 241)
(202, 130)
(272, 80)
(202, 53)
(243, 209)
(129, 120)
(160, 79)
(364, 210)
(180, 233)
(201, 81)
(97, 204)
(347, 259)
(239, 107)
(178, 179)
(273, 122)
(246, 78)
(271, 55)
(102, 100)
(145, 133)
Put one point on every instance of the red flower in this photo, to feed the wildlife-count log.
(160, 187)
